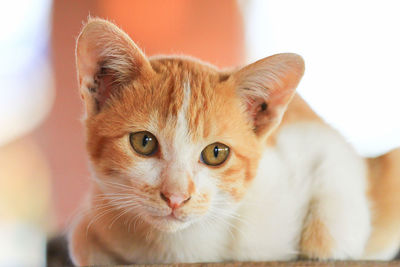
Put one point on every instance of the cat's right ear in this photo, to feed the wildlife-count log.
(106, 60)
(266, 87)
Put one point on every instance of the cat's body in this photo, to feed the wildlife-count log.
(289, 186)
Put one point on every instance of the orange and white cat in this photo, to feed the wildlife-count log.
(194, 164)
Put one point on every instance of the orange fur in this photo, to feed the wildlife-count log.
(384, 192)
(316, 242)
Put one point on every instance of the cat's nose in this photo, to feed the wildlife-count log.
(175, 200)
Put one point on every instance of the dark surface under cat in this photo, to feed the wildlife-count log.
(57, 252)
(57, 255)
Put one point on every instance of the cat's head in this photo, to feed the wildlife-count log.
(172, 140)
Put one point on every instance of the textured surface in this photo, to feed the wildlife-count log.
(293, 264)
(57, 255)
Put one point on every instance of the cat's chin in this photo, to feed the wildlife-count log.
(168, 224)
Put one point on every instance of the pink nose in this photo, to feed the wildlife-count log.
(174, 200)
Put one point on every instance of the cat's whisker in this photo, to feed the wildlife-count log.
(132, 219)
(133, 193)
(114, 194)
(116, 185)
(118, 205)
(227, 215)
(111, 199)
(138, 217)
(113, 202)
(96, 218)
(216, 219)
(235, 216)
(119, 185)
(119, 216)
(116, 199)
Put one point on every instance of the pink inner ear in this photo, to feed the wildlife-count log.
(254, 106)
(251, 107)
(105, 82)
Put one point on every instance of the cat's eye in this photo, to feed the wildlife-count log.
(144, 143)
(215, 154)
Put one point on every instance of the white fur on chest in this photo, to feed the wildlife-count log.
(202, 242)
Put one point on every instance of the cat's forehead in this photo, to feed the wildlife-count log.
(189, 94)
(180, 65)
(177, 78)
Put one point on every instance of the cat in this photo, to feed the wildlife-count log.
(195, 164)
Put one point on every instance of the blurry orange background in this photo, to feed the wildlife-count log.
(207, 29)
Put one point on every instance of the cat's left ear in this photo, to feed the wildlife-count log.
(266, 88)
(106, 60)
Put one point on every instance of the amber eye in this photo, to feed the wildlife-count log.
(215, 154)
(144, 143)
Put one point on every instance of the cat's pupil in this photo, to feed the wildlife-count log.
(216, 151)
(145, 140)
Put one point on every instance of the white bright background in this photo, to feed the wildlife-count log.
(26, 94)
(25, 72)
(352, 55)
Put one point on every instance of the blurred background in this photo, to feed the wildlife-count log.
(351, 50)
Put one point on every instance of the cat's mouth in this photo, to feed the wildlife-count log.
(168, 223)
(172, 217)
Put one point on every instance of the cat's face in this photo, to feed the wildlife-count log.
(181, 133)
(171, 140)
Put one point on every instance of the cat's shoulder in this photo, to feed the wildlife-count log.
(299, 111)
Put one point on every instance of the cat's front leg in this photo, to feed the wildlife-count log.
(338, 222)
(85, 248)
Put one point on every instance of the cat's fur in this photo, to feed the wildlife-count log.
(291, 186)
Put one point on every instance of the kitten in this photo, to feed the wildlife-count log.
(192, 164)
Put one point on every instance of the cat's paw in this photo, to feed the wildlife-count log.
(316, 241)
